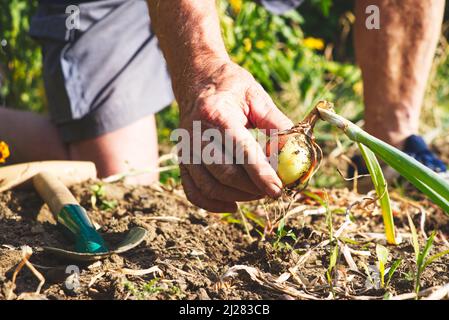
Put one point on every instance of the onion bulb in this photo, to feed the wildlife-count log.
(297, 155)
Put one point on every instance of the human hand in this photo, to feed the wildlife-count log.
(226, 97)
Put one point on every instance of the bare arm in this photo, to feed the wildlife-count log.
(190, 37)
(211, 89)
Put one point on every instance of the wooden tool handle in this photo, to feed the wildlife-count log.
(73, 217)
(69, 172)
(55, 194)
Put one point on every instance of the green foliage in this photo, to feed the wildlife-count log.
(323, 5)
(265, 44)
(383, 255)
(21, 84)
(422, 259)
(381, 187)
(392, 270)
(382, 260)
(229, 218)
(170, 176)
(98, 198)
(423, 178)
(281, 234)
(276, 51)
(167, 120)
(153, 287)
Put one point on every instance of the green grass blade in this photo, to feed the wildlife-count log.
(382, 191)
(382, 258)
(382, 254)
(435, 257)
(418, 255)
(426, 250)
(333, 258)
(426, 180)
(392, 270)
(415, 241)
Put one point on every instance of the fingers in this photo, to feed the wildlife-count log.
(263, 112)
(197, 198)
(252, 157)
(250, 170)
(236, 177)
(263, 115)
(246, 151)
(213, 189)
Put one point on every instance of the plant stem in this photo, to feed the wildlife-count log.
(426, 180)
(382, 191)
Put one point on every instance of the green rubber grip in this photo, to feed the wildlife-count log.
(76, 222)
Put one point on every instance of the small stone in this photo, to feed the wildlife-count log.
(95, 265)
(121, 211)
(37, 228)
(202, 294)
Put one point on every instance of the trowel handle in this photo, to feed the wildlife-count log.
(69, 213)
(55, 194)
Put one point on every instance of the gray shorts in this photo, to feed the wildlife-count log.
(280, 6)
(107, 74)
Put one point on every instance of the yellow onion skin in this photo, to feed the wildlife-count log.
(297, 157)
(297, 154)
(294, 160)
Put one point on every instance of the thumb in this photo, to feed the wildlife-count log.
(264, 114)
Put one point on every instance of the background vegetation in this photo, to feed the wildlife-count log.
(299, 57)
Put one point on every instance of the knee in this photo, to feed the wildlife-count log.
(132, 151)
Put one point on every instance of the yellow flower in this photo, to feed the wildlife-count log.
(260, 44)
(25, 97)
(4, 151)
(313, 43)
(165, 132)
(236, 5)
(358, 88)
(247, 44)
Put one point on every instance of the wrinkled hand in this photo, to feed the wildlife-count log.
(229, 98)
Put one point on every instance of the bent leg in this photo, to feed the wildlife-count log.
(102, 111)
(31, 137)
(395, 62)
(133, 147)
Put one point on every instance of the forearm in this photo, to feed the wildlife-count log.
(222, 95)
(190, 38)
(395, 61)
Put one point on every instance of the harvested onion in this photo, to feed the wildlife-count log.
(298, 156)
